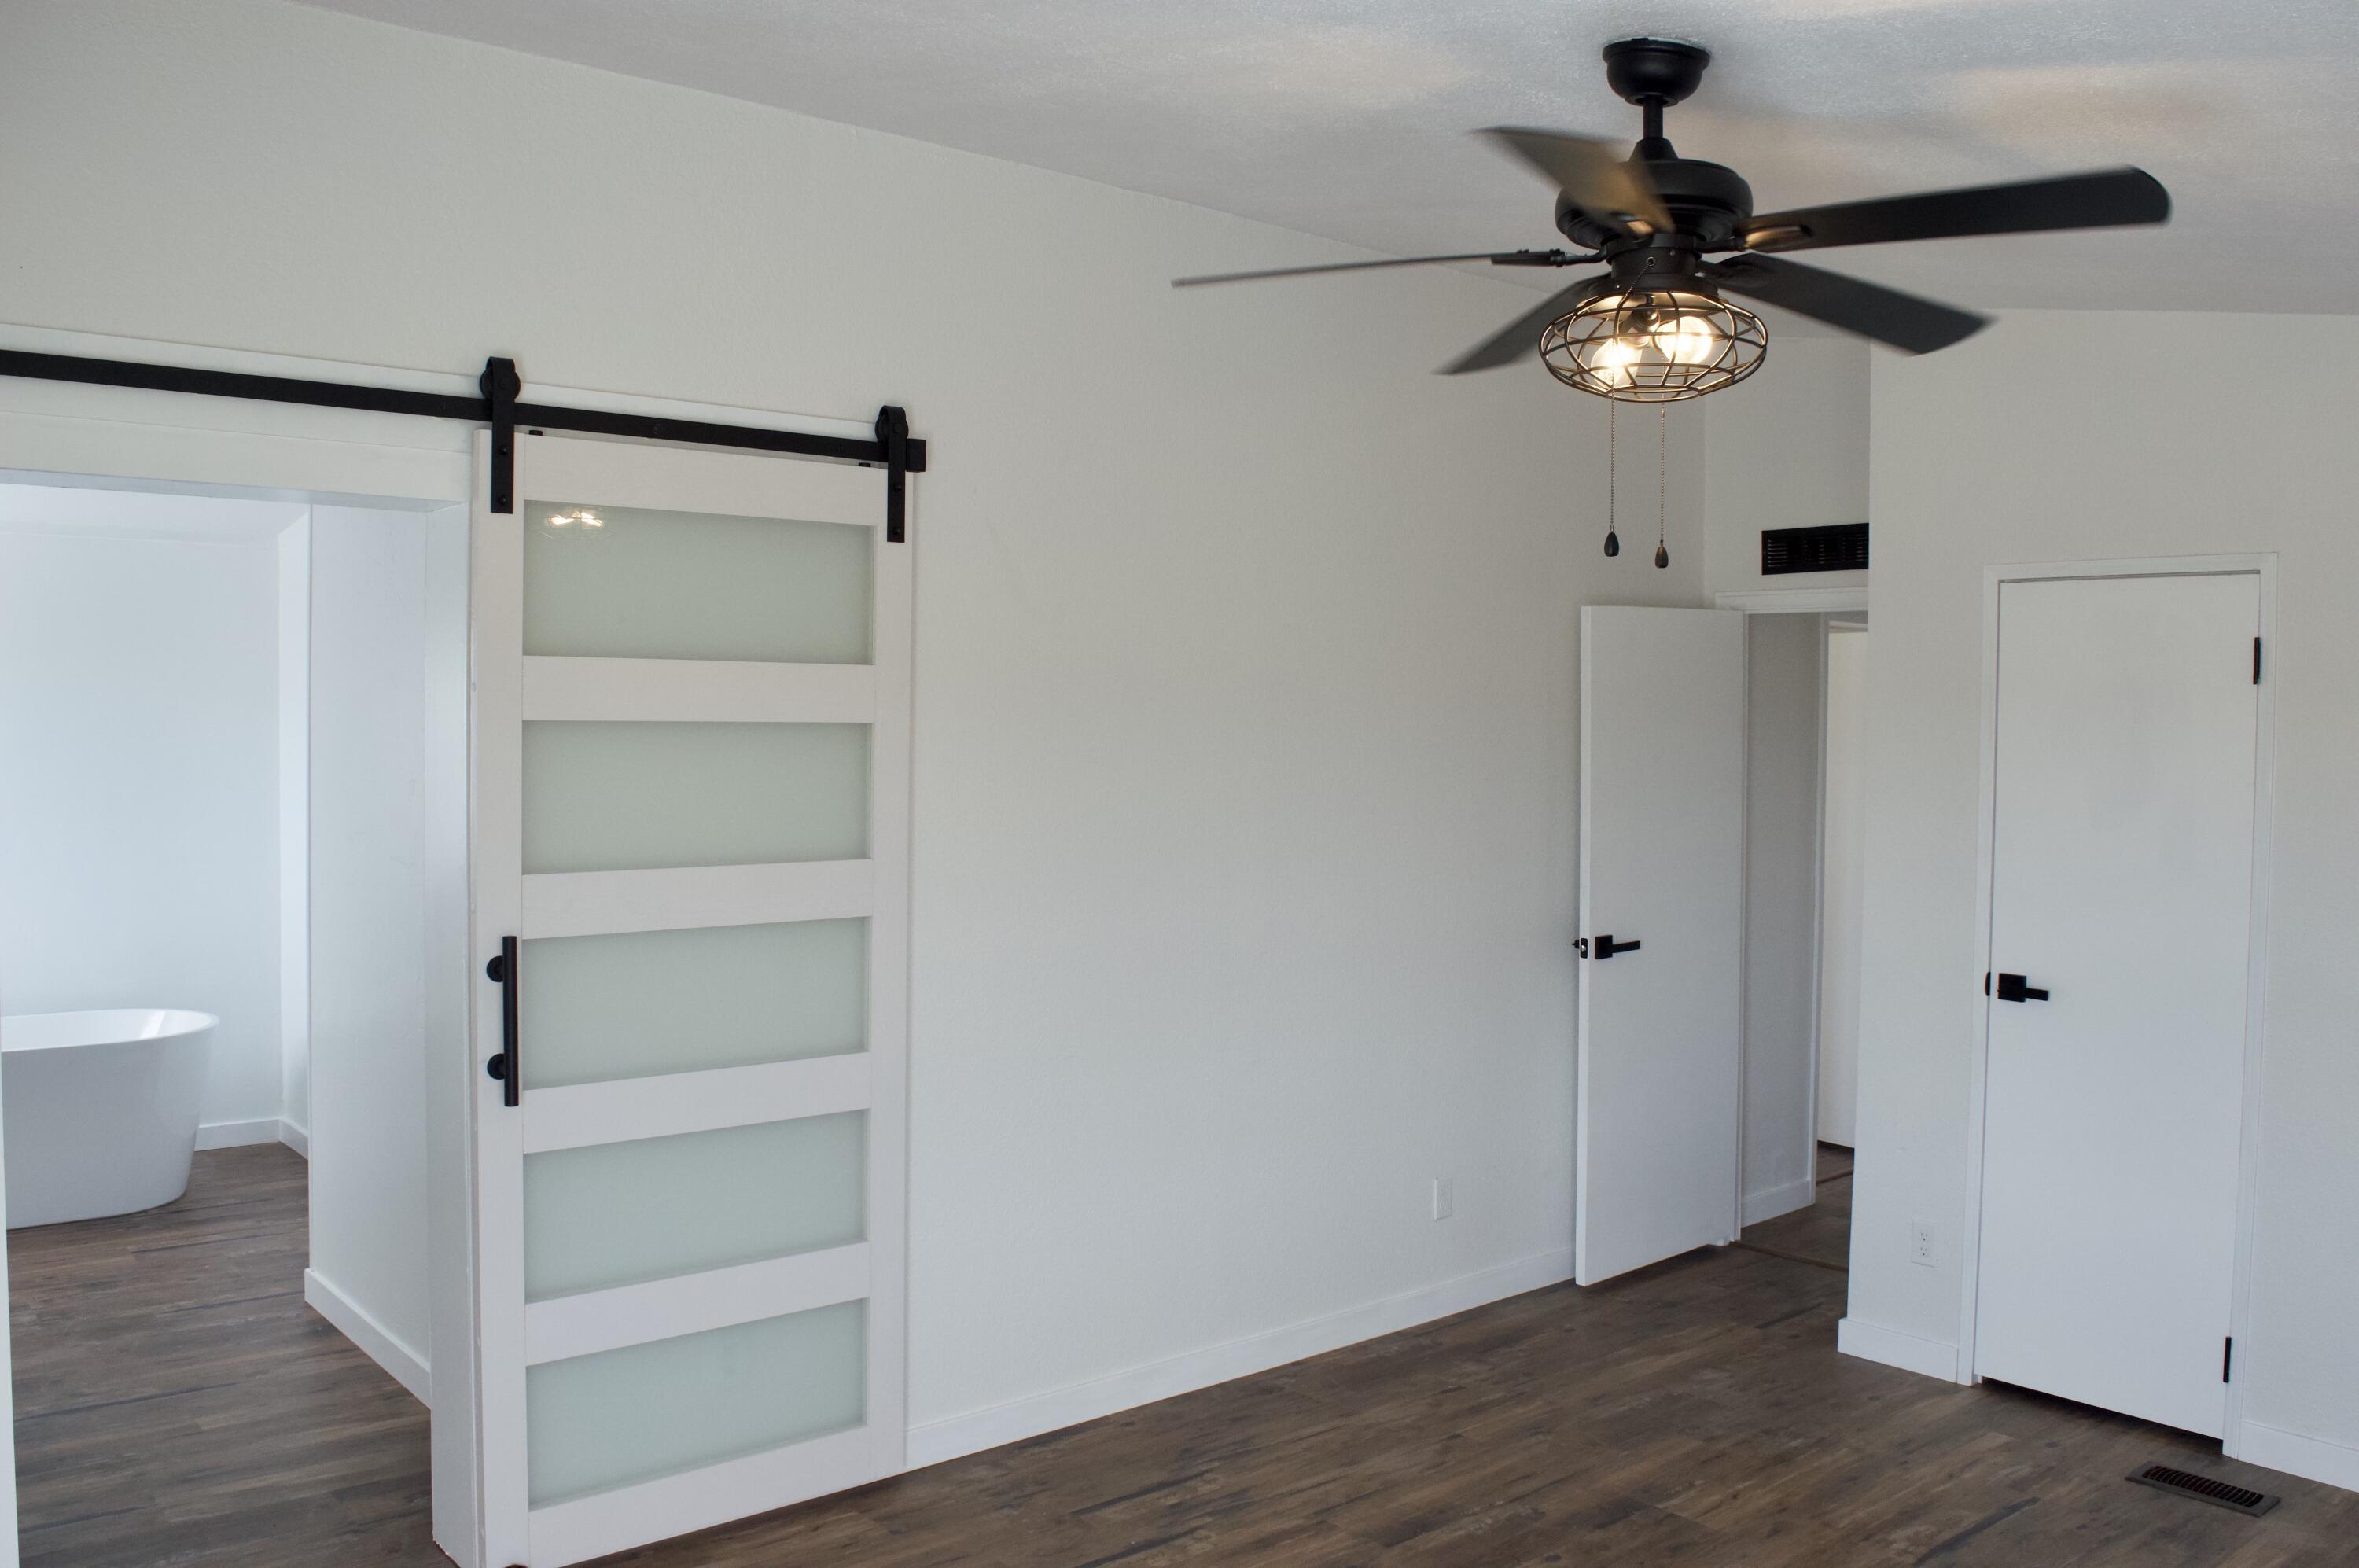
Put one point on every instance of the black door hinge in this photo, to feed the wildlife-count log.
(2256, 661)
(2227, 1358)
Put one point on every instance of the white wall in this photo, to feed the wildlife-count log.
(1839, 921)
(1244, 679)
(2071, 435)
(139, 769)
(1787, 449)
(1781, 900)
(294, 585)
(369, 916)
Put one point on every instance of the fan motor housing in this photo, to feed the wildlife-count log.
(1707, 200)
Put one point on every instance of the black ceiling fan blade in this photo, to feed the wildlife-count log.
(2105, 199)
(1495, 257)
(1904, 320)
(1595, 175)
(1522, 336)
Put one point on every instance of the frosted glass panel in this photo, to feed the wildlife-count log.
(600, 1008)
(624, 797)
(596, 1422)
(616, 1213)
(618, 582)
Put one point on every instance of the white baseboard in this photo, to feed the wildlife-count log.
(1873, 1342)
(408, 1367)
(2312, 1458)
(1771, 1201)
(238, 1135)
(954, 1436)
(262, 1130)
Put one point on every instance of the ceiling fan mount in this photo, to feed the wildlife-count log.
(1661, 72)
(1675, 235)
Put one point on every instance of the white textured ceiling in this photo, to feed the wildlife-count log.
(1348, 119)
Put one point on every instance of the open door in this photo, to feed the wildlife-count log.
(690, 820)
(1662, 917)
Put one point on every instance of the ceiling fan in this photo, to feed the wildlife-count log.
(1678, 234)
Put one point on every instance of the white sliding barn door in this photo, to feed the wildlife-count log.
(1662, 874)
(2121, 918)
(691, 815)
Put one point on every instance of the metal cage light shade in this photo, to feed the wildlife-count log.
(1654, 345)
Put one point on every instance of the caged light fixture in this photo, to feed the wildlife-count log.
(1663, 345)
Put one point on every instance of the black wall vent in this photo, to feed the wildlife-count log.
(2204, 1488)
(1837, 547)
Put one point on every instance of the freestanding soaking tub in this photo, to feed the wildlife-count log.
(101, 1110)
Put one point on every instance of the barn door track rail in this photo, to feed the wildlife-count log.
(900, 453)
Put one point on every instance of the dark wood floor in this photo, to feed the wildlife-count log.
(177, 1402)
(190, 1411)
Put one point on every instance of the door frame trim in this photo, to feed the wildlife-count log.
(1837, 599)
(2262, 566)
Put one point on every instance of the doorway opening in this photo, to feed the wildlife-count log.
(1806, 688)
(231, 746)
(1703, 855)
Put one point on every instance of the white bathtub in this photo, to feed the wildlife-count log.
(102, 1110)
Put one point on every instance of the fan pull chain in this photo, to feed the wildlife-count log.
(1613, 541)
(1662, 479)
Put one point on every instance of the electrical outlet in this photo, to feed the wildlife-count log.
(1920, 1244)
(1445, 1197)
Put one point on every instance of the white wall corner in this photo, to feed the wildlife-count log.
(407, 1365)
(1771, 1201)
(1873, 1342)
(953, 1437)
(295, 1135)
(2311, 1458)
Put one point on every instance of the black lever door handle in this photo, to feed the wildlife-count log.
(1606, 947)
(2011, 989)
(508, 1065)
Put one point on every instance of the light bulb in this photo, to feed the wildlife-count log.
(1610, 360)
(1688, 341)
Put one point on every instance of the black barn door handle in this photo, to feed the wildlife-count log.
(508, 1067)
(2012, 988)
(1606, 947)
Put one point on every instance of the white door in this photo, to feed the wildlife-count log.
(1662, 875)
(691, 814)
(2121, 889)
